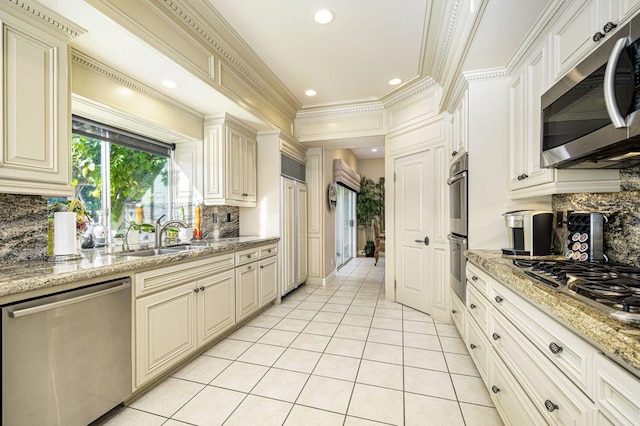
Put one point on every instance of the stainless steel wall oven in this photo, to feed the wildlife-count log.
(458, 221)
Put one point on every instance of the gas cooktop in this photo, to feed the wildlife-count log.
(611, 288)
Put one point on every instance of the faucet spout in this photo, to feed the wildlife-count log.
(161, 227)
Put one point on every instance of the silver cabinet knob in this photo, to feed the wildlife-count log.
(495, 336)
(555, 348)
(472, 306)
(495, 389)
(474, 278)
(498, 299)
(453, 311)
(550, 406)
(472, 346)
(196, 290)
(201, 288)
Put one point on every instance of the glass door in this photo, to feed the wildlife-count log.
(345, 225)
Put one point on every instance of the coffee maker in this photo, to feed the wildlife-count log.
(529, 232)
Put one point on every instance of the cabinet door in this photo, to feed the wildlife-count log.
(165, 330)
(188, 172)
(216, 305)
(246, 290)
(573, 35)
(250, 166)
(235, 164)
(301, 233)
(518, 149)
(214, 164)
(268, 280)
(616, 393)
(35, 155)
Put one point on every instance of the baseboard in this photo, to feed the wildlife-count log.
(326, 280)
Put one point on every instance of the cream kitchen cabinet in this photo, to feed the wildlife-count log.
(526, 176)
(36, 148)
(582, 25)
(179, 309)
(256, 279)
(230, 162)
(459, 133)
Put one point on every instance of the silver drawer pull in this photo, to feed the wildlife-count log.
(474, 278)
(499, 299)
(555, 348)
(495, 389)
(495, 336)
(472, 306)
(472, 346)
(248, 256)
(269, 251)
(550, 406)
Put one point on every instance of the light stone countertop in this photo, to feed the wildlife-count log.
(38, 275)
(618, 339)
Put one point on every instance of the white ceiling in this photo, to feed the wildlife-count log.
(346, 61)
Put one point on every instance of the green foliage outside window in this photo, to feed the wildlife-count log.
(132, 174)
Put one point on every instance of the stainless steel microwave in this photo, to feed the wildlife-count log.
(590, 117)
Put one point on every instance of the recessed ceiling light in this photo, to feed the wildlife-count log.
(374, 149)
(310, 92)
(323, 16)
(395, 81)
(169, 84)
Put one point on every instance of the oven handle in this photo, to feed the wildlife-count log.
(609, 84)
(457, 239)
(456, 178)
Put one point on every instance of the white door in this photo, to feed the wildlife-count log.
(413, 257)
(301, 232)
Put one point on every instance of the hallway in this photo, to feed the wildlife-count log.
(334, 355)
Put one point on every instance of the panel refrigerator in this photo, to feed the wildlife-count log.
(294, 234)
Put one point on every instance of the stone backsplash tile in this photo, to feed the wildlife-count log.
(622, 231)
(23, 234)
(220, 222)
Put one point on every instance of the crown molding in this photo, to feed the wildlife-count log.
(410, 91)
(448, 35)
(224, 40)
(46, 16)
(331, 112)
(485, 74)
(101, 68)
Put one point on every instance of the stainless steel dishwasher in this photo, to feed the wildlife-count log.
(66, 357)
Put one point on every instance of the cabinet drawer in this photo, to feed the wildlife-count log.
(569, 352)
(511, 401)
(246, 256)
(478, 308)
(162, 278)
(616, 393)
(478, 347)
(556, 397)
(458, 313)
(267, 251)
(480, 279)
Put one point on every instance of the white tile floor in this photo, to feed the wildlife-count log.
(334, 355)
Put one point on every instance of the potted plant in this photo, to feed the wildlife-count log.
(369, 206)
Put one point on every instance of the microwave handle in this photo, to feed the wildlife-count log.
(456, 178)
(609, 84)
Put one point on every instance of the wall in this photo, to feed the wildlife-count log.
(622, 232)
(329, 216)
(372, 168)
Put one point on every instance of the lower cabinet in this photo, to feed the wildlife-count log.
(537, 370)
(268, 279)
(215, 305)
(247, 290)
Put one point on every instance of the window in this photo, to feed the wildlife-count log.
(120, 177)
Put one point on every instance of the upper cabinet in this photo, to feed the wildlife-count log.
(230, 162)
(35, 155)
(459, 139)
(582, 25)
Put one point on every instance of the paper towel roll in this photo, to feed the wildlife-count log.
(64, 233)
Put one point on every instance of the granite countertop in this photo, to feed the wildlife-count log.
(37, 275)
(619, 339)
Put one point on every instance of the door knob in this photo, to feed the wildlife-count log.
(425, 241)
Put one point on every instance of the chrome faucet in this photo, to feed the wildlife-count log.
(161, 227)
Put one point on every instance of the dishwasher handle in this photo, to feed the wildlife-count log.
(124, 284)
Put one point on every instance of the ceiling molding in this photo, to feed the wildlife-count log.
(44, 15)
(410, 91)
(485, 74)
(99, 67)
(330, 112)
(219, 41)
(444, 50)
(539, 31)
